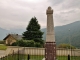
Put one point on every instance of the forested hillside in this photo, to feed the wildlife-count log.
(62, 33)
(67, 33)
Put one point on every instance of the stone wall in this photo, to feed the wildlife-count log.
(41, 51)
(65, 52)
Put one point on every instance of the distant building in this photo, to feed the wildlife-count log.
(11, 38)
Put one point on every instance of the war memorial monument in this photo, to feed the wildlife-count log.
(50, 44)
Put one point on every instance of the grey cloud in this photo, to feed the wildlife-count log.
(69, 4)
(13, 17)
(17, 13)
(66, 11)
(65, 4)
(67, 17)
(70, 11)
(55, 2)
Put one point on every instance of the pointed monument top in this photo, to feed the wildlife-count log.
(50, 37)
(49, 10)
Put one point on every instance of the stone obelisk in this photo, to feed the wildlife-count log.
(50, 45)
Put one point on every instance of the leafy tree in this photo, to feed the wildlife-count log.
(1, 42)
(14, 44)
(27, 43)
(66, 46)
(38, 45)
(33, 31)
(30, 43)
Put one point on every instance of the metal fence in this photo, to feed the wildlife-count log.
(68, 55)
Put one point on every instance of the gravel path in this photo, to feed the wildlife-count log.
(2, 53)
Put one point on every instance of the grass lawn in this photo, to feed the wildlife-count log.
(3, 47)
(35, 57)
(23, 57)
(66, 58)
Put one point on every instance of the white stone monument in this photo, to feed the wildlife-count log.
(50, 45)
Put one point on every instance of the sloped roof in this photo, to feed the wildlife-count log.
(15, 36)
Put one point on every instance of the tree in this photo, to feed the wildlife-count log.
(66, 46)
(33, 31)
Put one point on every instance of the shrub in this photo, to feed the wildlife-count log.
(21, 43)
(30, 43)
(39, 41)
(66, 46)
(37, 44)
(14, 44)
(1, 42)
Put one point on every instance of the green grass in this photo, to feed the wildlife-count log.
(39, 57)
(66, 58)
(3, 47)
(23, 57)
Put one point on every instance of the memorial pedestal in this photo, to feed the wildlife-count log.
(50, 51)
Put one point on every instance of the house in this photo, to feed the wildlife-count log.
(11, 38)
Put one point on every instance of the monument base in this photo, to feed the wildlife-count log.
(50, 51)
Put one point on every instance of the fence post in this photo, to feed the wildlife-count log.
(13, 54)
(1, 58)
(28, 57)
(18, 53)
(68, 57)
(4, 57)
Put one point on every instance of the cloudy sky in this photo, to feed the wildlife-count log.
(17, 13)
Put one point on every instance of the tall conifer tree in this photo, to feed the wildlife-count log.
(33, 31)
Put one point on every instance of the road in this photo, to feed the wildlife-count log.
(2, 53)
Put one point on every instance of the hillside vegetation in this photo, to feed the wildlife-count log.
(62, 33)
(66, 34)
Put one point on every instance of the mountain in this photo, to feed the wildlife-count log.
(62, 33)
(69, 33)
(4, 32)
